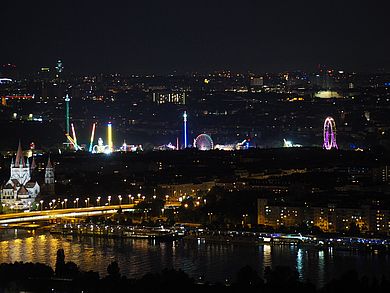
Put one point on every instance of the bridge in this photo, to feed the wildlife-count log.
(48, 215)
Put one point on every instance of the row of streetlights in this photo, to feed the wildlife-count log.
(87, 201)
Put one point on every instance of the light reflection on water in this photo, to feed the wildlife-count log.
(299, 267)
(321, 266)
(215, 262)
(267, 257)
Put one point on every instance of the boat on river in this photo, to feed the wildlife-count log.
(117, 231)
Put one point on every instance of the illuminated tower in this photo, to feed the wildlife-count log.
(67, 100)
(59, 68)
(109, 136)
(185, 128)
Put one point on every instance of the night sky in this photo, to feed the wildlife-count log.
(164, 36)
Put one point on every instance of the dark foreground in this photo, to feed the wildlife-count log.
(67, 277)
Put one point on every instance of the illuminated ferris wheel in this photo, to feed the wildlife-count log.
(330, 134)
(204, 142)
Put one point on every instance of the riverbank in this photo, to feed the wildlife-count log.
(374, 245)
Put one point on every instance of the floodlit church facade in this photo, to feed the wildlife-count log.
(21, 190)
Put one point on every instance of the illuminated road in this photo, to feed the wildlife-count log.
(62, 213)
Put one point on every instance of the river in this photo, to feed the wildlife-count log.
(215, 262)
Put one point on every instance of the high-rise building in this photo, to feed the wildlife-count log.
(327, 217)
(382, 174)
(257, 81)
(169, 97)
(59, 68)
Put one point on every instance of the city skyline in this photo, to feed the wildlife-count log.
(194, 145)
(197, 36)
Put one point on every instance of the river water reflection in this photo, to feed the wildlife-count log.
(215, 262)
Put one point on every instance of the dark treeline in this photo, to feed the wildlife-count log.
(67, 277)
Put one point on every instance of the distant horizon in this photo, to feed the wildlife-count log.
(33, 72)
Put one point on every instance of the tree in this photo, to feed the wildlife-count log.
(113, 270)
(353, 229)
(247, 276)
(60, 262)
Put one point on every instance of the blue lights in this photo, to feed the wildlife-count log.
(185, 129)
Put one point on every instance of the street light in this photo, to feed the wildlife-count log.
(86, 203)
(62, 204)
(109, 199)
(53, 201)
(66, 202)
(41, 201)
(120, 199)
(129, 197)
(77, 202)
(210, 216)
(244, 217)
(98, 200)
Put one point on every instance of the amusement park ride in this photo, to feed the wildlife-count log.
(330, 134)
(95, 149)
(290, 144)
(202, 142)
(100, 147)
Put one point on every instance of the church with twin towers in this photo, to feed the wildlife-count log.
(22, 188)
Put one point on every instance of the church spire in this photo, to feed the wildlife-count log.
(19, 161)
(49, 177)
(33, 164)
(49, 165)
